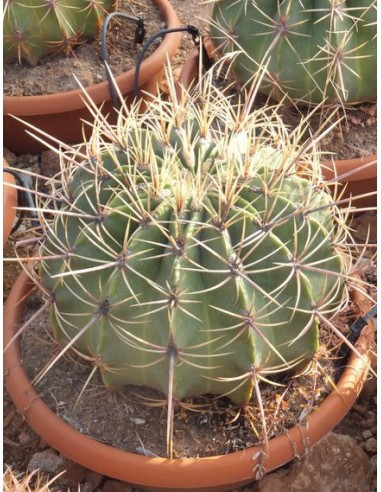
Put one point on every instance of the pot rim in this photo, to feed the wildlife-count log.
(202, 474)
(358, 168)
(70, 100)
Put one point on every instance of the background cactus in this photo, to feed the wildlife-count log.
(313, 50)
(33, 29)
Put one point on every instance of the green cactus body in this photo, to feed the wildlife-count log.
(33, 29)
(190, 266)
(315, 50)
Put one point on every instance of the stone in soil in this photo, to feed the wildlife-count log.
(336, 463)
(47, 462)
(371, 445)
(50, 163)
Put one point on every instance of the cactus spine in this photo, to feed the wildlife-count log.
(313, 50)
(33, 29)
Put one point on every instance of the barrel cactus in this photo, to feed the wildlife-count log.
(313, 50)
(183, 251)
(33, 29)
(188, 257)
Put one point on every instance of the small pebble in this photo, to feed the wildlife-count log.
(371, 445)
(47, 462)
(92, 480)
(9, 156)
(24, 437)
(367, 424)
(26, 160)
(50, 163)
(366, 434)
(361, 409)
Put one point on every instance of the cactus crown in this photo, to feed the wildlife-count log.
(183, 251)
(313, 51)
(33, 29)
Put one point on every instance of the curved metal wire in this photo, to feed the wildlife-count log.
(139, 36)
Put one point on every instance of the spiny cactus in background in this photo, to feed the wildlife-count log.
(33, 29)
(313, 50)
(182, 251)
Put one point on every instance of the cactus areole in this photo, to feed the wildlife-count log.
(33, 29)
(313, 50)
(191, 261)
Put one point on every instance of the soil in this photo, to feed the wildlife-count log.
(354, 135)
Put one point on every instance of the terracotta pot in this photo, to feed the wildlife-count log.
(355, 176)
(217, 473)
(60, 114)
(362, 178)
(9, 203)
